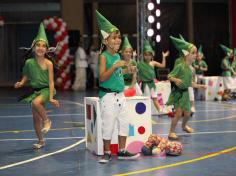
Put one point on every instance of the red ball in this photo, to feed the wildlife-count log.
(130, 92)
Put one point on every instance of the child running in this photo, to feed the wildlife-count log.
(181, 78)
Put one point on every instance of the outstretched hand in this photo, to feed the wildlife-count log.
(165, 54)
(18, 85)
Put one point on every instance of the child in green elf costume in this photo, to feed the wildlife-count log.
(38, 71)
(111, 87)
(181, 77)
(129, 78)
(146, 72)
(200, 65)
(227, 72)
(233, 65)
(180, 59)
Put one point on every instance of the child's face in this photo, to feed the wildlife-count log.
(199, 56)
(191, 57)
(40, 48)
(113, 41)
(147, 56)
(127, 54)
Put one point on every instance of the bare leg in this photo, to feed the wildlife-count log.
(156, 104)
(107, 144)
(178, 114)
(185, 121)
(37, 125)
(122, 142)
(38, 106)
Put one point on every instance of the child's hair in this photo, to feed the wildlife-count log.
(49, 55)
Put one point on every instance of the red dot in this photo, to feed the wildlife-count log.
(141, 130)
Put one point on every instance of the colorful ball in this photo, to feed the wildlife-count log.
(174, 148)
(130, 92)
(146, 150)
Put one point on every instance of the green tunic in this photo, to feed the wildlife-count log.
(226, 67)
(179, 96)
(116, 81)
(179, 60)
(146, 74)
(38, 78)
(129, 76)
(198, 64)
(233, 65)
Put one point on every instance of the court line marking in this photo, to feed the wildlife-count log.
(197, 121)
(35, 139)
(42, 156)
(53, 129)
(178, 163)
(161, 134)
(30, 115)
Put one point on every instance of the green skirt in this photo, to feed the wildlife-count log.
(180, 99)
(43, 92)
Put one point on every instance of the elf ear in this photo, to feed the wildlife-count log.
(104, 34)
(185, 52)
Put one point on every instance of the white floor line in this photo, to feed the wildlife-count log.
(35, 139)
(203, 132)
(42, 156)
(30, 115)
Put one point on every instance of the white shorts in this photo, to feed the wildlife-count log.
(191, 93)
(150, 92)
(112, 111)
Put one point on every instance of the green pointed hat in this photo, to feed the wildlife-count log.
(181, 37)
(200, 49)
(181, 45)
(147, 47)
(226, 49)
(126, 44)
(105, 27)
(41, 35)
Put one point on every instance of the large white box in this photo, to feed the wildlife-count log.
(163, 92)
(214, 88)
(140, 124)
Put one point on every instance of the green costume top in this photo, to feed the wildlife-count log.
(38, 79)
(178, 60)
(179, 96)
(233, 65)
(115, 83)
(226, 67)
(146, 74)
(129, 76)
(198, 64)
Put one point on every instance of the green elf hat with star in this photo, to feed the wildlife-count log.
(181, 45)
(126, 44)
(41, 36)
(147, 47)
(105, 27)
(227, 50)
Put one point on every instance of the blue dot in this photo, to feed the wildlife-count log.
(140, 108)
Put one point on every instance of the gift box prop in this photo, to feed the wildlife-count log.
(214, 90)
(140, 125)
(163, 92)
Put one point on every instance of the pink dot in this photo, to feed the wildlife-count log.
(141, 130)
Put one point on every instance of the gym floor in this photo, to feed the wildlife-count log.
(209, 151)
